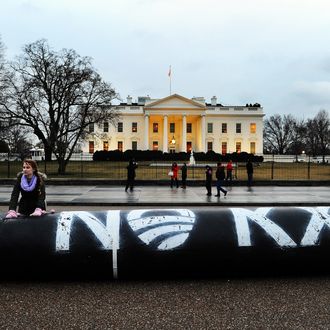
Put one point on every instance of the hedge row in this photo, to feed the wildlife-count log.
(149, 155)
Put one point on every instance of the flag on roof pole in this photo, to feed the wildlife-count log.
(169, 74)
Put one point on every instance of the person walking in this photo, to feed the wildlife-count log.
(220, 175)
(208, 179)
(174, 176)
(184, 175)
(30, 185)
(131, 167)
(229, 171)
(249, 171)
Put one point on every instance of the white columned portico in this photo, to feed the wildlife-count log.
(184, 133)
(165, 137)
(203, 135)
(146, 132)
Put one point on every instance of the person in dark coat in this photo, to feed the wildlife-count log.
(249, 171)
(220, 175)
(131, 167)
(184, 175)
(208, 179)
(30, 185)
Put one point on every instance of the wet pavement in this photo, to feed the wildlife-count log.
(102, 195)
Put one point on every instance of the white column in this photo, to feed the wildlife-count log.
(165, 134)
(184, 134)
(203, 135)
(146, 132)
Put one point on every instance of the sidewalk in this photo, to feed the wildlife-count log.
(194, 196)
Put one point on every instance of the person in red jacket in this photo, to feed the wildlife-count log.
(174, 176)
(229, 171)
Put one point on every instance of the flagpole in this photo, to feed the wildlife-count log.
(170, 75)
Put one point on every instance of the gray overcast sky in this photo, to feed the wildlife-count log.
(274, 52)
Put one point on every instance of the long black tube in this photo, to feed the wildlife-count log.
(165, 242)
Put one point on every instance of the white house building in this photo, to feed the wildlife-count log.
(176, 123)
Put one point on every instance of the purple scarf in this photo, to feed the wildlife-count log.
(28, 186)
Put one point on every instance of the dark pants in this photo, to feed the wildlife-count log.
(208, 186)
(176, 182)
(229, 175)
(184, 182)
(250, 178)
(130, 184)
(219, 188)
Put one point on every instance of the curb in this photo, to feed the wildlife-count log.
(195, 183)
(202, 204)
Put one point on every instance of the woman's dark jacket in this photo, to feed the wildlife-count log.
(208, 174)
(30, 200)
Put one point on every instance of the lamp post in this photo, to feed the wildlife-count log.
(172, 145)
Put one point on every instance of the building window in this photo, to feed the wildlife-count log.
(253, 128)
(252, 147)
(189, 146)
(120, 145)
(224, 127)
(172, 127)
(238, 147)
(224, 148)
(134, 127)
(91, 128)
(120, 127)
(134, 145)
(155, 127)
(209, 127)
(105, 127)
(91, 147)
(189, 128)
(155, 145)
(209, 146)
(238, 128)
(105, 145)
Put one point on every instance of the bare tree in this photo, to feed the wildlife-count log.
(3, 88)
(57, 94)
(311, 139)
(17, 139)
(322, 130)
(278, 133)
(298, 134)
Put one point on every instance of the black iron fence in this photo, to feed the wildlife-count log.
(270, 170)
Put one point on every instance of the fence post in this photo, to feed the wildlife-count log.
(309, 167)
(81, 166)
(8, 166)
(272, 174)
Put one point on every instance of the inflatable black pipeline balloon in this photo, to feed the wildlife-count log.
(166, 242)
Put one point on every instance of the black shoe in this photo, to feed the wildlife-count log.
(217, 195)
(208, 194)
(225, 193)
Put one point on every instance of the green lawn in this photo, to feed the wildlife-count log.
(157, 171)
